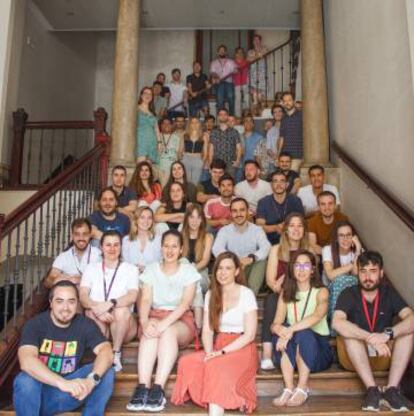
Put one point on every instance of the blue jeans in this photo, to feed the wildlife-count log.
(33, 398)
(196, 106)
(225, 93)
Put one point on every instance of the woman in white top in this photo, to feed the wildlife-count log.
(142, 246)
(340, 261)
(223, 375)
(108, 292)
(166, 322)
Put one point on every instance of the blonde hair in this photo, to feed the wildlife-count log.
(284, 245)
(201, 235)
(133, 233)
(189, 129)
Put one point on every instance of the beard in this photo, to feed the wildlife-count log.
(370, 287)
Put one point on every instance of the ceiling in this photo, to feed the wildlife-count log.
(81, 15)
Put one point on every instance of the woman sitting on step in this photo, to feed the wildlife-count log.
(301, 329)
(294, 237)
(166, 322)
(223, 375)
(340, 261)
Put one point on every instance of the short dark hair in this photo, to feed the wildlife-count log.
(176, 70)
(107, 189)
(196, 62)
(252, 162)
(285, 154)
(222, 45)
(326, 193)
(239, 199)
(218, 164)
(160, 73)
(180, 114)
(316, 167)
(157, 83)
(63, 283)
(369, 256)
(287, 93)
(119, 167)
(222, 109)
(80, 222)
(277, 172)
(174, 233)
(210, 117)
(226, 177)
(110, 233)
(274, 106)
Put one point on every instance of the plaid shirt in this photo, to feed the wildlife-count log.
(225, 144)
(291, 131)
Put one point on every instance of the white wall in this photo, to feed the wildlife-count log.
(371, 104)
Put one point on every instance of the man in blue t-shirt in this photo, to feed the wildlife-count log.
(51, 349)
(107, 217)
(127, 197)
(273, 209)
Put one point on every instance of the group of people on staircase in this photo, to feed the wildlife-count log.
(177, 260)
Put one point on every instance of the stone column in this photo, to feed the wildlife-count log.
(125, 94)
(314, 91)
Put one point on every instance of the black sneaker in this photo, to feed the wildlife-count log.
(139, 398)
(393, 399)
(156, 399)
(372, 399)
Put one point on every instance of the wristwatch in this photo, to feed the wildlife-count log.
(114, 302)
(95, 377)
(390, 332)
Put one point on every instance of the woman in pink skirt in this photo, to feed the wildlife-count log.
(223, 376)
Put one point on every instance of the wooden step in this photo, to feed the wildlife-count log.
(315, 406)
(328, 383)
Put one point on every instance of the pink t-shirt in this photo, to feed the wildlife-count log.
(222, 68)
(241, 77)
(215, 209)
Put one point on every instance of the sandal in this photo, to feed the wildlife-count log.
(283, 398)
(298, 397)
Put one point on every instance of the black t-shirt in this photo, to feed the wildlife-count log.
(125, 196)
(165, 90)
(390, 305)
(291, 176)
(208, 188)
(198, 84)
(61, 349)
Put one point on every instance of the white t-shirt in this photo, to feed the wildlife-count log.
(167, 291)
(68, 263)
(343, 259)
(126, 278)
(252, 194)
(177, 95)
(309, 201)
(132, 252)
(233, 319)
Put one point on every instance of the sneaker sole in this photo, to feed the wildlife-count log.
(154, 409)
(370, 409)
(134, 408)
(400, 410)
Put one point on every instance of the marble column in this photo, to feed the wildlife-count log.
(125, 93)
(314, 90)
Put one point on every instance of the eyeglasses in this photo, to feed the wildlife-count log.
(302, 266)
(345, 236)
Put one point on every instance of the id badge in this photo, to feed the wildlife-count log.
(372, 352)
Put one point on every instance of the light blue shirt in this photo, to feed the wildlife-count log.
(250, 143)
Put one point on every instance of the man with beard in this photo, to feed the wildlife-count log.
(284, 162)
(71, 263)
(127, 197)
(107, 217)
(53, 379)
(273, 209)
(252, 189)
(290, 135)
(247, 240)
(364, 318)
(321, 224)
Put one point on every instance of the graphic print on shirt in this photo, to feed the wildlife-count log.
(59, 357)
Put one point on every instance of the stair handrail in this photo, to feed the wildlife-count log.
(396, 206)
(250, 63)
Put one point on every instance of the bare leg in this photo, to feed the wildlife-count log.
(303, 371)
(101, 325)
(287, 371)
(123, 328)
(401, 354)
(357, 352)
(147, 354)
(177, 334)
(267, 350)
(215, 410)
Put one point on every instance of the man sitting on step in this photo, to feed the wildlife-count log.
(369, 340)
(71, 263)
(52, 379)
(247, 240)
(127, 197)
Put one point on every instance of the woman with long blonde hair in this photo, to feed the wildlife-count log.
(195, 145)
(223, 375)
(294, 237)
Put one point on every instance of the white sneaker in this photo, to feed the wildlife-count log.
(267, 364)
(117, 361)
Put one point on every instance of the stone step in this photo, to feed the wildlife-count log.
(327, 383)
(315, 406)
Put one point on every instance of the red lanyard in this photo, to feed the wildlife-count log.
(106, 293)
(295, 309)
(372, 323)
